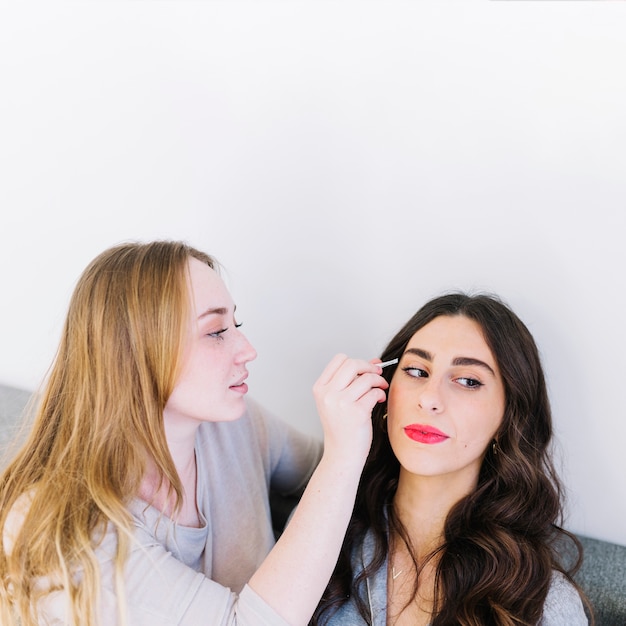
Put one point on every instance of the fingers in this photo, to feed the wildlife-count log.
(345, 394)
(350, 381)
(343, 373)
(372, 397)
(330, 370)
(387, 363)
(365, 383)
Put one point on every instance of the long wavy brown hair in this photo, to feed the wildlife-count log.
(99, 419)
(496, 562)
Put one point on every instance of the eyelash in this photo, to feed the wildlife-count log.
(218, 334)
(415, 369)
(473, 382)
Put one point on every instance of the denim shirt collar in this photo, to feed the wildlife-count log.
(376, 583)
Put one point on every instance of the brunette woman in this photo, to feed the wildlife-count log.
(459, 506)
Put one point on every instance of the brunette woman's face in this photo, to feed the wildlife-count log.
(211, 385)
(446, 400)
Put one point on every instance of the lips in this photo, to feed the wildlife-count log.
(240, 386)
(425, 434)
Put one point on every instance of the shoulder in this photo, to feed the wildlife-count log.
(245, 442)
(263, 427)
(263, 420)
(563, 604)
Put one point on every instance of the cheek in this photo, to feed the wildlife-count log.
(497, 416)
(210, 357)
(397, 396)
(485, 425)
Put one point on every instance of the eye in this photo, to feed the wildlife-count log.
(470, 383)
(416, 372)
(217, 334)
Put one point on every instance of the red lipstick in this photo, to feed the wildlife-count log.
(424, 434)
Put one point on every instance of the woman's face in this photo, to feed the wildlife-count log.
(446, 400)
(211, 385)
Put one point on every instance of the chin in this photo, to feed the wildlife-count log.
(232, 412)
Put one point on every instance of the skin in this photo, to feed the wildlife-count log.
(463, 399)
(446, 379)
(211, 384)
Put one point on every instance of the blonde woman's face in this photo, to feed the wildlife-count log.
(211, 386)
(446, 401)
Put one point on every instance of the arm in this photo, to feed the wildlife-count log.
(293, 577)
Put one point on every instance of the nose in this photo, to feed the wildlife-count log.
(245, 350)
(430, 397)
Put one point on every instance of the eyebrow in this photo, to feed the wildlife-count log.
(220, 310)
(459, 360)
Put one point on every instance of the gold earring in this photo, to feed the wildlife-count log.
(494, 448)
(385, 416)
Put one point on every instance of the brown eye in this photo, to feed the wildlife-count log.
(471, 383)
(416, 372)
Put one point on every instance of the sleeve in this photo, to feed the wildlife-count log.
(162, 591)
(292, 455)
(563, 604)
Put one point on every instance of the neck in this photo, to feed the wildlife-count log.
(422, 504)
(181, 444)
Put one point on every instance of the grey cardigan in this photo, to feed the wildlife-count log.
(183, 576)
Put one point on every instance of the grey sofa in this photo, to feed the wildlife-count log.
(602, 575)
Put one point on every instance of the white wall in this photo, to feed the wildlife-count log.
(345, 161)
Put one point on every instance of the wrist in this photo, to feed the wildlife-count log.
(343, 462)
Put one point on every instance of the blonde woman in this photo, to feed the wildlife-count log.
(141, 494)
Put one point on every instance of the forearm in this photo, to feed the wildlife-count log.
(294, 576)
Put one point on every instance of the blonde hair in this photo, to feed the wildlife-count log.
(99, 420)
